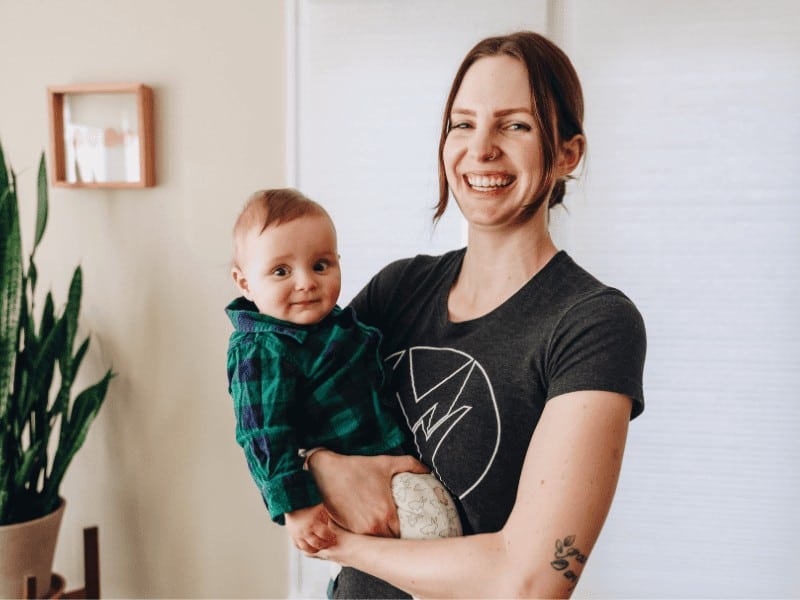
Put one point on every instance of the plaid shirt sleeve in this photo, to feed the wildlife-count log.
(263, 387)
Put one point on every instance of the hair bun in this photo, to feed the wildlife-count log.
(557, 195)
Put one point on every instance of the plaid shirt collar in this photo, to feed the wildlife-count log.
(245, 318)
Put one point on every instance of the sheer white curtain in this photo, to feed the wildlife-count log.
(688, 203)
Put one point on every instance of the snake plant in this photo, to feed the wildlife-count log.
(42, 425)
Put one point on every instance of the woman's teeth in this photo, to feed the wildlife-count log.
(487, 183)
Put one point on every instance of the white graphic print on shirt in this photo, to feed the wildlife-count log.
(446, 396)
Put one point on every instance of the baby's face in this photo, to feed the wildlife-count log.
(291, 270)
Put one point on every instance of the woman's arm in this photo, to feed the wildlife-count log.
(371, 510)
(565, 491)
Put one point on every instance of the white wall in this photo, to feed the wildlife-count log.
(160, 472)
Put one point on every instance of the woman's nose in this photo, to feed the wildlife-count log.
(483, 146)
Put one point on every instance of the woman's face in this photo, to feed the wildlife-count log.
(492, 154)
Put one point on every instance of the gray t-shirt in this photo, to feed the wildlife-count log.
(472, 392)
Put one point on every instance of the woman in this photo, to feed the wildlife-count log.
(516, 371)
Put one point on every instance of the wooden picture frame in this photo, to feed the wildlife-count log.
(101, 135)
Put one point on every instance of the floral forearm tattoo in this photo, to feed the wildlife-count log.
(565, 552)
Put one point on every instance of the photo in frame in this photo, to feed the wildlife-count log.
(101, 135)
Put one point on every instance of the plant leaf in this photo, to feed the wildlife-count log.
(74, 431)
(42, 367)
(78, 358)
(10, 280)
(48, 316)
(28, 465)
(11, 286)
(3, 173)
(4, 497)
(71, 312)
(67, 379)
(33, 275)
(41, 208)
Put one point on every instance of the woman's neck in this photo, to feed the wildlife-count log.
(496, 265)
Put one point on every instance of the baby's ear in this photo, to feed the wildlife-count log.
(241, 281)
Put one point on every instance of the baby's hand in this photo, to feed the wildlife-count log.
(309, 528)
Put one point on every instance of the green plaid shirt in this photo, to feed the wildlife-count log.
(303, 386)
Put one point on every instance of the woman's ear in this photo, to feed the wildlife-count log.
(241, 281)
(570, 154)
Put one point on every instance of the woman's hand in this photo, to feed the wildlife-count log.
(358, 489)
(338, 551)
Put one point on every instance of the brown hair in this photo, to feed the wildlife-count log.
(271, 207)
(556, 98)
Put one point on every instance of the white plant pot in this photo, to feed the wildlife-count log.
(27, 549)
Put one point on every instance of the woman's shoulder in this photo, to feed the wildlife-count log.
(598, 338)
(421, 266)
(580, 286)
(582, 298)
(403, 282)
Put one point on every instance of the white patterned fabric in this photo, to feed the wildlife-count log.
(425, 508)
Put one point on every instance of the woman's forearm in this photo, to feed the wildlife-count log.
(477, 566)
(562, 500)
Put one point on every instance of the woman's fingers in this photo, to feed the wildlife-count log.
(358, 489)
(407, 464)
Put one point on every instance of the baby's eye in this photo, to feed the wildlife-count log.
(280, 271)
(321, 266)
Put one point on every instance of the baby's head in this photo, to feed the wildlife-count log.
(285, 258)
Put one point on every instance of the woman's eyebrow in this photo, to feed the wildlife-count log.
(510, 111)
(498, 113)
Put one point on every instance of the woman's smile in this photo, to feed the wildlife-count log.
(488, 182)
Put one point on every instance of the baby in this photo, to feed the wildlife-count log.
(306, 374)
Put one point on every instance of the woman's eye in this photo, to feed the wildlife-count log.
(460, 125)
(280, 271)
(321, 266)
(519, 127)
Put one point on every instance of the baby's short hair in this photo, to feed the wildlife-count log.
(271, 207)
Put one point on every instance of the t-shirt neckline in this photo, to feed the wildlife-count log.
(444, 316)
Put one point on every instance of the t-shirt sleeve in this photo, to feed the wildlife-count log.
(373, 304)
(599, 344)
(263, 389)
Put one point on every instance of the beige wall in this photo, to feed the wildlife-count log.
(160, 472)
